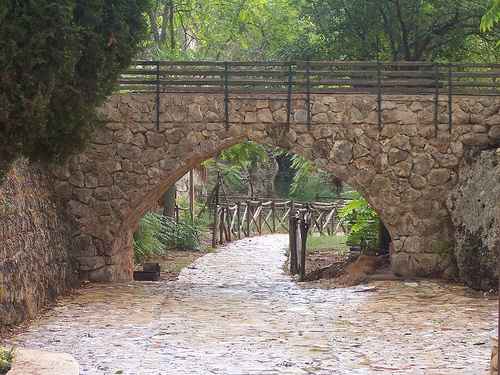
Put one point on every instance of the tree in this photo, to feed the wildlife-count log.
(59, 60)
(492, 17)
(409, 30)
(223, 29)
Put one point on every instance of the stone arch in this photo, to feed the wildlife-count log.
(404, 169)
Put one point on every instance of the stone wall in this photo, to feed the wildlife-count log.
(475, 211)
(405, 169)
(34, 242)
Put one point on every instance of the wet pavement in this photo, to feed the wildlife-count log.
(236, 312)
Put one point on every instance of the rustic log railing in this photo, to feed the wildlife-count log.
(241, 219)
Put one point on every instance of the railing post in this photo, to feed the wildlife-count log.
(226, 94)
(289, 96)
(157, 95)
(308, 93)
(436, 98)
(379, 95)
(450, 97)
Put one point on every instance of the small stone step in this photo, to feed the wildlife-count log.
(36, 362)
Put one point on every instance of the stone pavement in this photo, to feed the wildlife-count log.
(235, 312)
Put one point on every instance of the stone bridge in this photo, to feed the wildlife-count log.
(405, 168)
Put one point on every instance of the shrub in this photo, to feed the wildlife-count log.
(363, 223)
(147, 238)
(6, 357)
(157, 233)
(59, 60)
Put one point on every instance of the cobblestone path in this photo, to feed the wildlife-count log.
(236, 312)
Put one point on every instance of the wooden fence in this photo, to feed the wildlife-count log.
(241, 219)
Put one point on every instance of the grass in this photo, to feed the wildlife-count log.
(6, 357)
(334, 243)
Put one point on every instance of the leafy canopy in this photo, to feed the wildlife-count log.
(408, 30)
(492, 17)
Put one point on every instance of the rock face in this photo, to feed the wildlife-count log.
(35, 265)
(37, 362)
(475, 210)
(405, 169)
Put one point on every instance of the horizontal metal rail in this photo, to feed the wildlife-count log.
(314, 77)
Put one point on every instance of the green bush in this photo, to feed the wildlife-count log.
(147, 238)
(6, 357)
(363, 223)
(59, 60)
(157, 233)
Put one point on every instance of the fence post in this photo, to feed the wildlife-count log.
(215, 228)
(261, 207)
(249, 216)
(273, 215)
(177, 214)
(238, 221)
(293, 245)
(304, 228)
(222, 224)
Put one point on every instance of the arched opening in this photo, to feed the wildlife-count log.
(136, 160)
(246, 172)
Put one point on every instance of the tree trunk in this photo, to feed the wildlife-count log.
(169, 202)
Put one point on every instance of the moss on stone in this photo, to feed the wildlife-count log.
(442, 247)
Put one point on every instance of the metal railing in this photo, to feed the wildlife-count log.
(312, 77)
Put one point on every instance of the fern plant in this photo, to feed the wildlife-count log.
(363, 223)
(157, 233)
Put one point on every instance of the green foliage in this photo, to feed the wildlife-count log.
(237, 163)
(492, 16)
(157, 233)
(395, 30)
(146, 238)
(223, 29)
(309, 183)
(6, 357)
(363, 223)
(59, 60)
